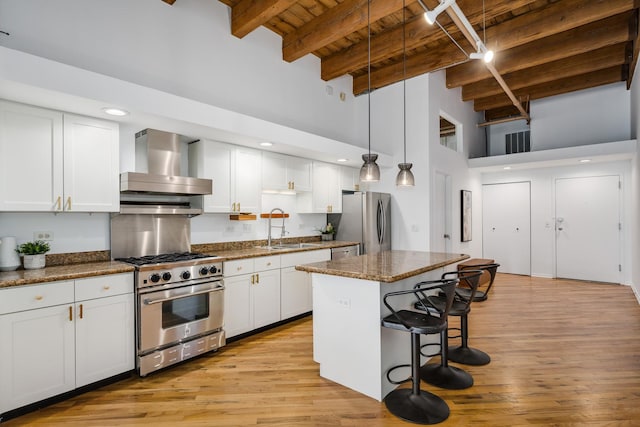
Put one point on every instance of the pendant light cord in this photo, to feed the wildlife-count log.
(404, 80)
(369, 70)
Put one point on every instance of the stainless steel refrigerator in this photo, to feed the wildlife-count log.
(366, 218)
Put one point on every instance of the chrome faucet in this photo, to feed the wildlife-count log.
(279, 226)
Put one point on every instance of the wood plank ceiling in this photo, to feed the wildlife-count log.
(543, 47)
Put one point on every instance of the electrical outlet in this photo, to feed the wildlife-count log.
(43, 235)
(345, 303)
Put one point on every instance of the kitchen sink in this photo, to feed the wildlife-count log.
(290, 246)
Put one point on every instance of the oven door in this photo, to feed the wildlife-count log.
(174, 315)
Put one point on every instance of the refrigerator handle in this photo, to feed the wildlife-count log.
(380, 220)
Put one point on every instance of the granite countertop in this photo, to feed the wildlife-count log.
(388, 266)
(62, 272)
(232, 254)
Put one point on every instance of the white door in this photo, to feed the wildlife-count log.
(441, 214)
(588, 228)
(506, 226)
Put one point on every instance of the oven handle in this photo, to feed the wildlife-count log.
(176, 295)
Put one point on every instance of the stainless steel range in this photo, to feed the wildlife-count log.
(180, 295)
(179, 310)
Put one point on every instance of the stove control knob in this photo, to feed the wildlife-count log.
(213, 270)
(185, 275)
(166, 276)
(204, 271)
(155, 278)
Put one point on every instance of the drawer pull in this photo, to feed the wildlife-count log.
(268, 264)
(106, 287)
(39, 297)
(239, 268)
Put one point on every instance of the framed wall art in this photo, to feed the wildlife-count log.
(465, 208)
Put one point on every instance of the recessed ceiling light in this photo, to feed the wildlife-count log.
(585, 160)
(266, 144)
(507, 168)
(343, 160)
(115, 111)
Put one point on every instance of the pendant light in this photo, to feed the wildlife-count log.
(370, 172)
(405, 176)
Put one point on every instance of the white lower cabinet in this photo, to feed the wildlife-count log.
(252, 294)
(264, 290)
(59, 336)
(295, 286)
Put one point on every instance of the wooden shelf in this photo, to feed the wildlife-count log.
(242, 217)
(275, 215)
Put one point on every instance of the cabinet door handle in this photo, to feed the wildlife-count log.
(69, 203)
(81, 311)
(70, 314)
(293, 185)
(59, 204)
(238, 206)
(253, 279)
(233, 207)
(257, 278)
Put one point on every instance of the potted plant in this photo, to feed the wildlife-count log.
(328, 232)
(33, 253)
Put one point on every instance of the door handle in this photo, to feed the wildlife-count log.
(446, 236)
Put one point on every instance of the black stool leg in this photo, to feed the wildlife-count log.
(415, 405)
(441, 374)
(465, 354)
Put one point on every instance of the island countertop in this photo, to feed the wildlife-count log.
(387, 266)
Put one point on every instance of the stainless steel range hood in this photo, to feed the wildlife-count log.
(161, 183)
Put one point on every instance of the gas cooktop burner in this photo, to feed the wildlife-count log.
(164, 258)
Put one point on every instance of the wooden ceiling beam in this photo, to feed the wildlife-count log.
(606, 32)
(336, 23)
(169, 1)
(418, 34)
(560, 16)
(599, 59)
(247, 15)
(424, 62)
(634, 23)
(501, 113)
(558, 87)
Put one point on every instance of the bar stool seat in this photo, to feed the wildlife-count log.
(490, 268)
(413, 404)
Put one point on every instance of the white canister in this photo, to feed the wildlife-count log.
(9, 258)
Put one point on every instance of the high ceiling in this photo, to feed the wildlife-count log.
(543, 47)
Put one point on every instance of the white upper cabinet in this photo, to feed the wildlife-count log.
(91, 165)
(50, 161)
(236, 175)
(281, 172)
(349, 179)
(326, 196)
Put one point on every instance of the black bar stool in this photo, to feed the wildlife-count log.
(416, 405)
(441, 374)
(481, 294)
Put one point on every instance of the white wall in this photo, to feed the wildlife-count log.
(543, 207)
(635, 187)
(585, 117)
(445, 160)
(589, 116)
(186, 49)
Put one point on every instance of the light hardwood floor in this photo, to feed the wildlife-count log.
(564, 353)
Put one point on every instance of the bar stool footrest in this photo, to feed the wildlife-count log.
(423, 408)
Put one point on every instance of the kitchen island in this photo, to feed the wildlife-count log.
(349, 343)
